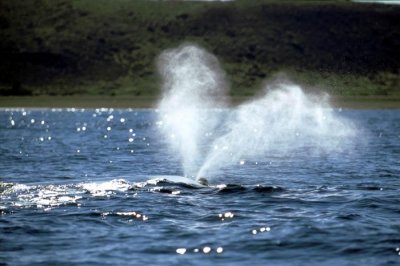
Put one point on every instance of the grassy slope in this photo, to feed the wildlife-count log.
(102, 47)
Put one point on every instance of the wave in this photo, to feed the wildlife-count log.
(48, 196)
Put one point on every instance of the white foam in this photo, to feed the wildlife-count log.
(106, 188)
(49, 196)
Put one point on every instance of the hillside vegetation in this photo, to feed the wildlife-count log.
(66, 47)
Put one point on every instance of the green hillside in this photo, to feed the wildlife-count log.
(102, 47)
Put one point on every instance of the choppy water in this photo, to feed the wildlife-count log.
(82, 187)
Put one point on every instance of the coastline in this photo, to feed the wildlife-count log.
(111, 47)
(123, 102)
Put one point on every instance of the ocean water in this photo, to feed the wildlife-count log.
(101, 187)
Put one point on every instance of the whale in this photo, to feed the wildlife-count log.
(202, 181)
(199, 182)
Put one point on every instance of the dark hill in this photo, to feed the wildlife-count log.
(109, 47)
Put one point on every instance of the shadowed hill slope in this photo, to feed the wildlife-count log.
(109, 47)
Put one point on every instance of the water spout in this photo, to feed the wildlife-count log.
(280, 121)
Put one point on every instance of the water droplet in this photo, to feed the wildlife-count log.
(32, 121)
(196, 250)
(12, 123)
(242, 162)
(42, 122)
(108, 128)
(254, 232)
(83, 128)
(130, 130)
(130, 139)
(220, 250)
(122, 120)
(78, 151)
(78, 129)
(105, 136)
(41, 139)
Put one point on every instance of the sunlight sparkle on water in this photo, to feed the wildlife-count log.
(181, 251)
(109, 118)
(205, 250)
(260, 230)
(226, 215)
(130, 214)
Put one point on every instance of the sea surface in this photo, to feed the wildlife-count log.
(101, 187)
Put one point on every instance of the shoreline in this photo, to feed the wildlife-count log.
(140, 102)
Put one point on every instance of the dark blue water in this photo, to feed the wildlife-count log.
(80, 187)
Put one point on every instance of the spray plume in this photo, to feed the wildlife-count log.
(280, 121)
(193, 83)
